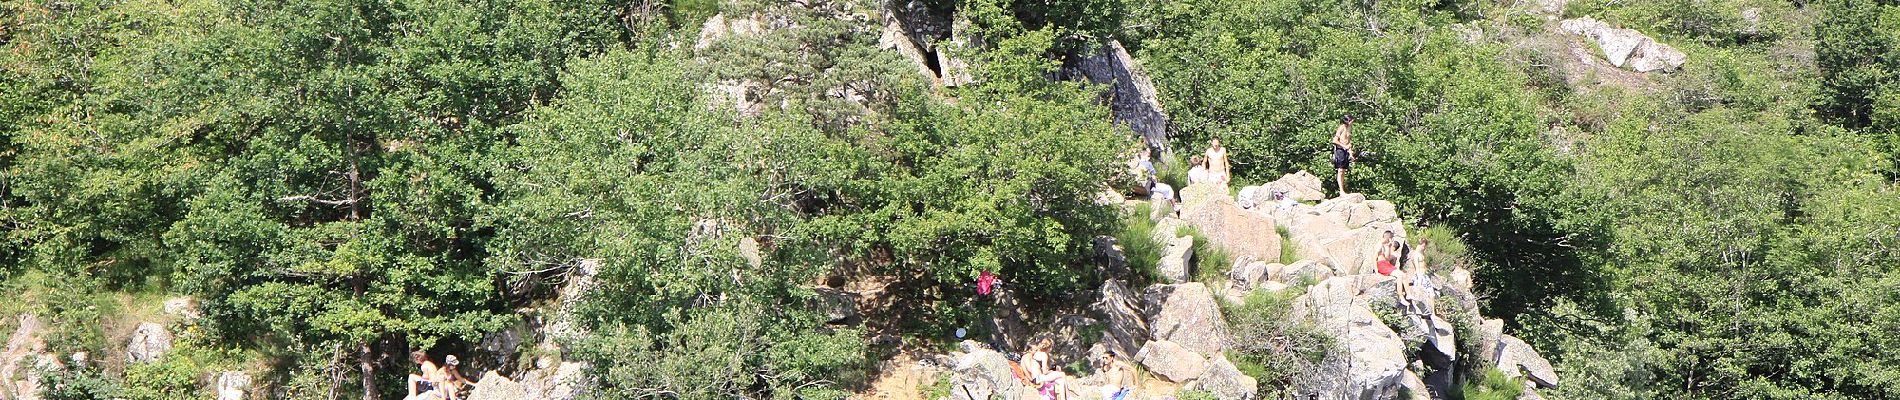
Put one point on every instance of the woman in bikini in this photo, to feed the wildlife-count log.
(1043, 373)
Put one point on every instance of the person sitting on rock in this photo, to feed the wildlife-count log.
(425, 385)
(1199, 172)
(1218, 170)
(1156, 188)
(453, 382)
(1118, 377)
(1043, 373)
(1342, 151)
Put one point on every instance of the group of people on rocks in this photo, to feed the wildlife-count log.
(1214, 167)
(1036, 370)
(436, 381)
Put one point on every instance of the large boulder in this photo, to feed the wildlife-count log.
(232, 385)
(149, 342)
(981, 373)
(1516, 358)
(1302, 186)
(1185, 314)
(1415, 387)
(564, 382)
(1240, 232)
(1125, 330)
(1132, 96)
(1225, 381)
(1626, 48)
(838, 306)
(1376, 354)
(1174, 264)
(1302, 270)
(1490, 333)
(1249, 274)
(1197, 194)
(1171, 361)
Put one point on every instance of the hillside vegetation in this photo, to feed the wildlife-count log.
(336, 183)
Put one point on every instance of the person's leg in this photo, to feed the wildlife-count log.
(1341, 178)
(412, 384)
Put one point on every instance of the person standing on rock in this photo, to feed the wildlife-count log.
(1218, 170)
(1343, 155)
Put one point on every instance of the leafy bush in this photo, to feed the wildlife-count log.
(1492, 385)
(1276, 349)
(1136, 236)
(1210, 263)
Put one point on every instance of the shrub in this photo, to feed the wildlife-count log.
(1211, 262)
(1273, 347)
(1289, 249)
(1493, 385)
(1139, 247)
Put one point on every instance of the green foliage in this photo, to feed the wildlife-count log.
(1276, 349)
(1210, 262)
(1139, 245)
(1289, 248)
(1492, 385)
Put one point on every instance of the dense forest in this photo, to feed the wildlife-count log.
(340, 182)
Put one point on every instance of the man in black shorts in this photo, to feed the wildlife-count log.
(1342, 151)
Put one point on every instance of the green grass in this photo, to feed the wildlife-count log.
(1173, 171)
(1211, 262)
(1491, 386)
(1447, 249)
(1139, 246)
(1289, 250)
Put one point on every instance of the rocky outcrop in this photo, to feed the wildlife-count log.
(1626, 48)
(232, 385)
(1131, 95)
(1240, 232)
(564, 382)
(1110, 259)
(981, 373)
(1125, 330)
(149, 342)
(1376, 353)
(1174, 264)
(1185, 314)
(1171, 361)
(1516, 358)
(1301, 186)
(1225, 381)
(19, 362)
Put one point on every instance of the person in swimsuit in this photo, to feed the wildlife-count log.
(1219, 171)
(1118, 377)
(1343, 155)
(1043, 373)
(424, 385)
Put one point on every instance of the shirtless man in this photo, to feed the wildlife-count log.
(1343, 156)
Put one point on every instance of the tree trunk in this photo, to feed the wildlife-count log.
(368, 365)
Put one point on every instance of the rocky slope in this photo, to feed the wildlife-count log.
(1176, 332)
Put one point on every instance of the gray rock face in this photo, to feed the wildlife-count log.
(1185, 314)
(1240, 232)
(1132, 96)
(1246, 276)
(1415, 387)
(1125, 329)
(561, 383)
(983, 374)
(1302, 186)
(1490, 333)
(232, 385)
(1171, 361)
(1515, 356)
(1109, 257)
(1376, 353)
(25, 349)
(185, 308)
(838, 306)
(1174, 266)
(1626, 48)
(1303, 269)
(1225, 381)
(149, 342)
